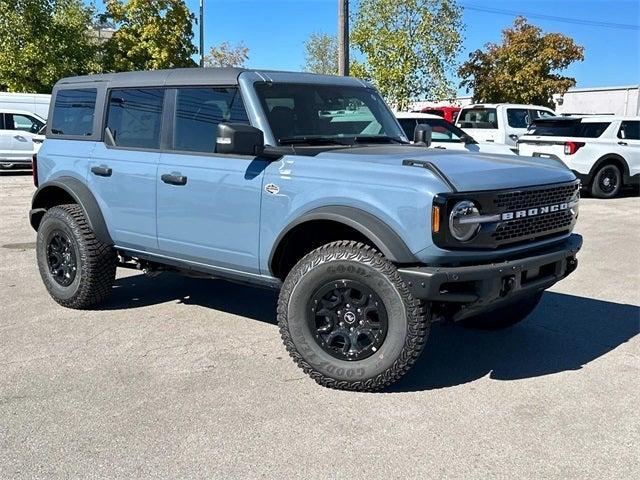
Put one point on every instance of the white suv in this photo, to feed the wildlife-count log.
(19, 137)
(603, 151)
(500, 122)
(446, 135)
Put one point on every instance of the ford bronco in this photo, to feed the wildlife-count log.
(302, 183)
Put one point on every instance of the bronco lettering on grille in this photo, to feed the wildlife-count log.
(532, 212)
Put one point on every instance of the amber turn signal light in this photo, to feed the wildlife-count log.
(435, 219)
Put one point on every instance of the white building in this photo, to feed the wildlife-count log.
(599, 100)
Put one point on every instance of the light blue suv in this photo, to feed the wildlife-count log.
(303, 183)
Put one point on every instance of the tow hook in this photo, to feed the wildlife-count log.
(508, 283)
(572, 264)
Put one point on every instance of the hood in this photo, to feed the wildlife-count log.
(466, 171)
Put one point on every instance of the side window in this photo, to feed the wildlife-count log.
(25, 123)
(198, 113)
(409, 126)
(630, 130)
(135, 117)
(1, 121)
(518, 117)
(73, 112)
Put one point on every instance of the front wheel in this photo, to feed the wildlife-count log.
(607, 182)
(348, 320)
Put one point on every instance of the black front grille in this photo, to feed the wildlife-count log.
(533, 227)
(515, 200)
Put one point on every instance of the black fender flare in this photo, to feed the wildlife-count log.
(606, 158)
(42, 200)
(377, 231)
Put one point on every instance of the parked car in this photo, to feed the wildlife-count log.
(247, 175)
(19, 137)
(447, 136)
(448, 113)
(603, 151)
(37, 103)
(499, 123)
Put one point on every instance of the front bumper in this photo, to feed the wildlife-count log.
(478, 288)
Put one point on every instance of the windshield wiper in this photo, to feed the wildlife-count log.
(377, 139)
(310, 140)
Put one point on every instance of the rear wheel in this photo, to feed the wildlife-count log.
(348, 320)
(506, 316)
(77, 269)
(607, 181)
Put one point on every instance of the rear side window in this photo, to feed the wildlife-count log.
(630, 130)
(478, 118)
(73, 112)
(135, 117)
(567, 128)
(518, 117)
(198, 113)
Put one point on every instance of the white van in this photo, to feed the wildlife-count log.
(37, 103)
(500, 122)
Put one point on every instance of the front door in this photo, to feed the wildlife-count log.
(208, 203)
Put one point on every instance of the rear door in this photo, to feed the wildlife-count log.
(5, 140)
(208, 203)
(629, 142)
(123, 175)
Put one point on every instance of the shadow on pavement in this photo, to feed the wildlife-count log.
(564, 333)
(141, 291)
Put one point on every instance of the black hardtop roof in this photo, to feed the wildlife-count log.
(197, 76)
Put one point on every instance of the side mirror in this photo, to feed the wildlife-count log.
(239, 139)
(422, 134)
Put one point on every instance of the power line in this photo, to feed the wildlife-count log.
(575, 21)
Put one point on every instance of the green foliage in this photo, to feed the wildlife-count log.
(42, 41)
(523, 68)
(409, 47)
(151, 34)
(321, 54)
(225, 55)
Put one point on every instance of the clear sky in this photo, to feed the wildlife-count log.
(275, 31)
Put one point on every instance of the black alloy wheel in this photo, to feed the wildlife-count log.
(607, 182)
(348, 320)
(61, 258)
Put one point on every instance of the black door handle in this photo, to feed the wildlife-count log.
(174, 179)
(101, 171)
(622, 143)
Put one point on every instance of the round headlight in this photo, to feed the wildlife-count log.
(461, 221)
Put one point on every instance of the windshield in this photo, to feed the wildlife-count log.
(327, 114)
(478, 117)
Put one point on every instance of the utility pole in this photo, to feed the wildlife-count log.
(343, 37)
(202, 33)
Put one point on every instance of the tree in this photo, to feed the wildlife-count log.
(523, 69)
(150, 34)
(409, 47)
(225, 55)
(42, 41)
(321, 54)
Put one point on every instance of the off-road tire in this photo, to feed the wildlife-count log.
(96, 261)
(408, 318)
(504, 317)
(612, 172)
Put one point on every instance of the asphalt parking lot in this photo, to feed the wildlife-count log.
(177, 378)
